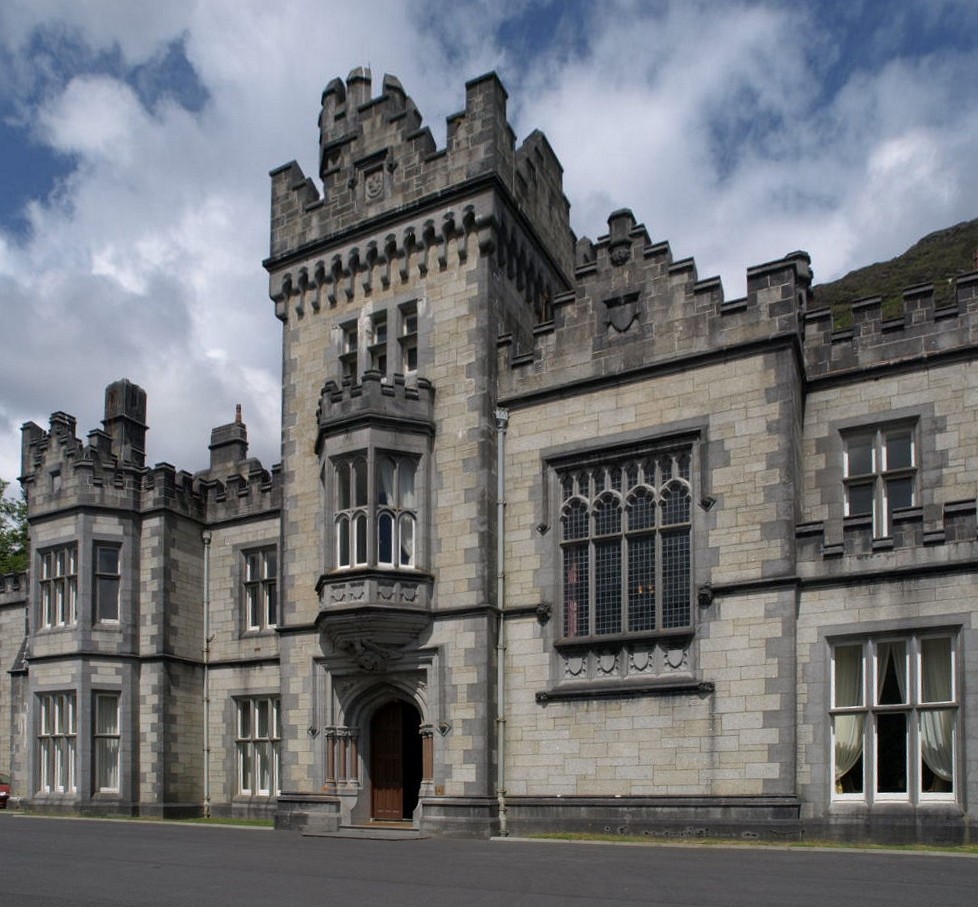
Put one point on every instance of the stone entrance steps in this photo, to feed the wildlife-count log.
(375, 831)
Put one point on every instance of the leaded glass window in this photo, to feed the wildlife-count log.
(625, 540)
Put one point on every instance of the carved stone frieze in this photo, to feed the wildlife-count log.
(375, 617)
(663, 658)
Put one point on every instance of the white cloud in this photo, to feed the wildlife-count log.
(708, 120)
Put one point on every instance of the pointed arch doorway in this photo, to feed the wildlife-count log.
(395, 761)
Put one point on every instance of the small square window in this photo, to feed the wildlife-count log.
(348, 358)
(409, 338)
(880, 468)
(378, 344)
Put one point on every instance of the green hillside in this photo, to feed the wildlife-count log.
(936, 259)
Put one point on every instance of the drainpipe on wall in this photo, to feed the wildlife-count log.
(502, 421)
(206, 536)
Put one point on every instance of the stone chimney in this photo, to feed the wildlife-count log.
(125, 421)
(229, 443)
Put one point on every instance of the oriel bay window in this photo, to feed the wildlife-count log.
(625, 544)
(376, 510)
(894, 718)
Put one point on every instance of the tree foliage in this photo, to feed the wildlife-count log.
(13, 532)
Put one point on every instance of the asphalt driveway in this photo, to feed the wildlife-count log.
(48, 862)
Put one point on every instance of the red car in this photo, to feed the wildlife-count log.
(4, 789)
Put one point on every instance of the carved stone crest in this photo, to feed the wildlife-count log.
(622, 311)
(373, 184)
(607, 663)
(574, 666)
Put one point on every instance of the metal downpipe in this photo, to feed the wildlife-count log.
(502, 421)
(206, 536)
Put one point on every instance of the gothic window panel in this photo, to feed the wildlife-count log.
(385, 538)
(406, 526)
(607, 587)
(641, 583)
(576, 598)
(625, 545)
(675, 578)
(351, 511)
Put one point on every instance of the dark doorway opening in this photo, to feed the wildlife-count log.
(395, 761)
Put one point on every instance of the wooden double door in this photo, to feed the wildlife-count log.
(395, 761)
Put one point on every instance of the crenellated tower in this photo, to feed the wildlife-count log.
(393, 278)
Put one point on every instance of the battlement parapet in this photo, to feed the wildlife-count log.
(61, 472)
(385, 259)
(388, 260)
(58, 468)
(922, 331)
(167, 488)
(377, 403)
(377, 161)
(635, 307)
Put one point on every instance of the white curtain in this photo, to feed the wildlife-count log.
(937, 725)
(405, 475)
(848, 692)
(848, 742)
(897, 653)
(848, 676)
(936, 736)
(935, 669)
(385, 493)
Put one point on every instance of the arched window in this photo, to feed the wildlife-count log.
(625, 543)
(351, 512)
(376, 510)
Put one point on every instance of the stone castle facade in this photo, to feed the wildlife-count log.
(561, 538)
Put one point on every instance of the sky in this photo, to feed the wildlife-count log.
(136, 140)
